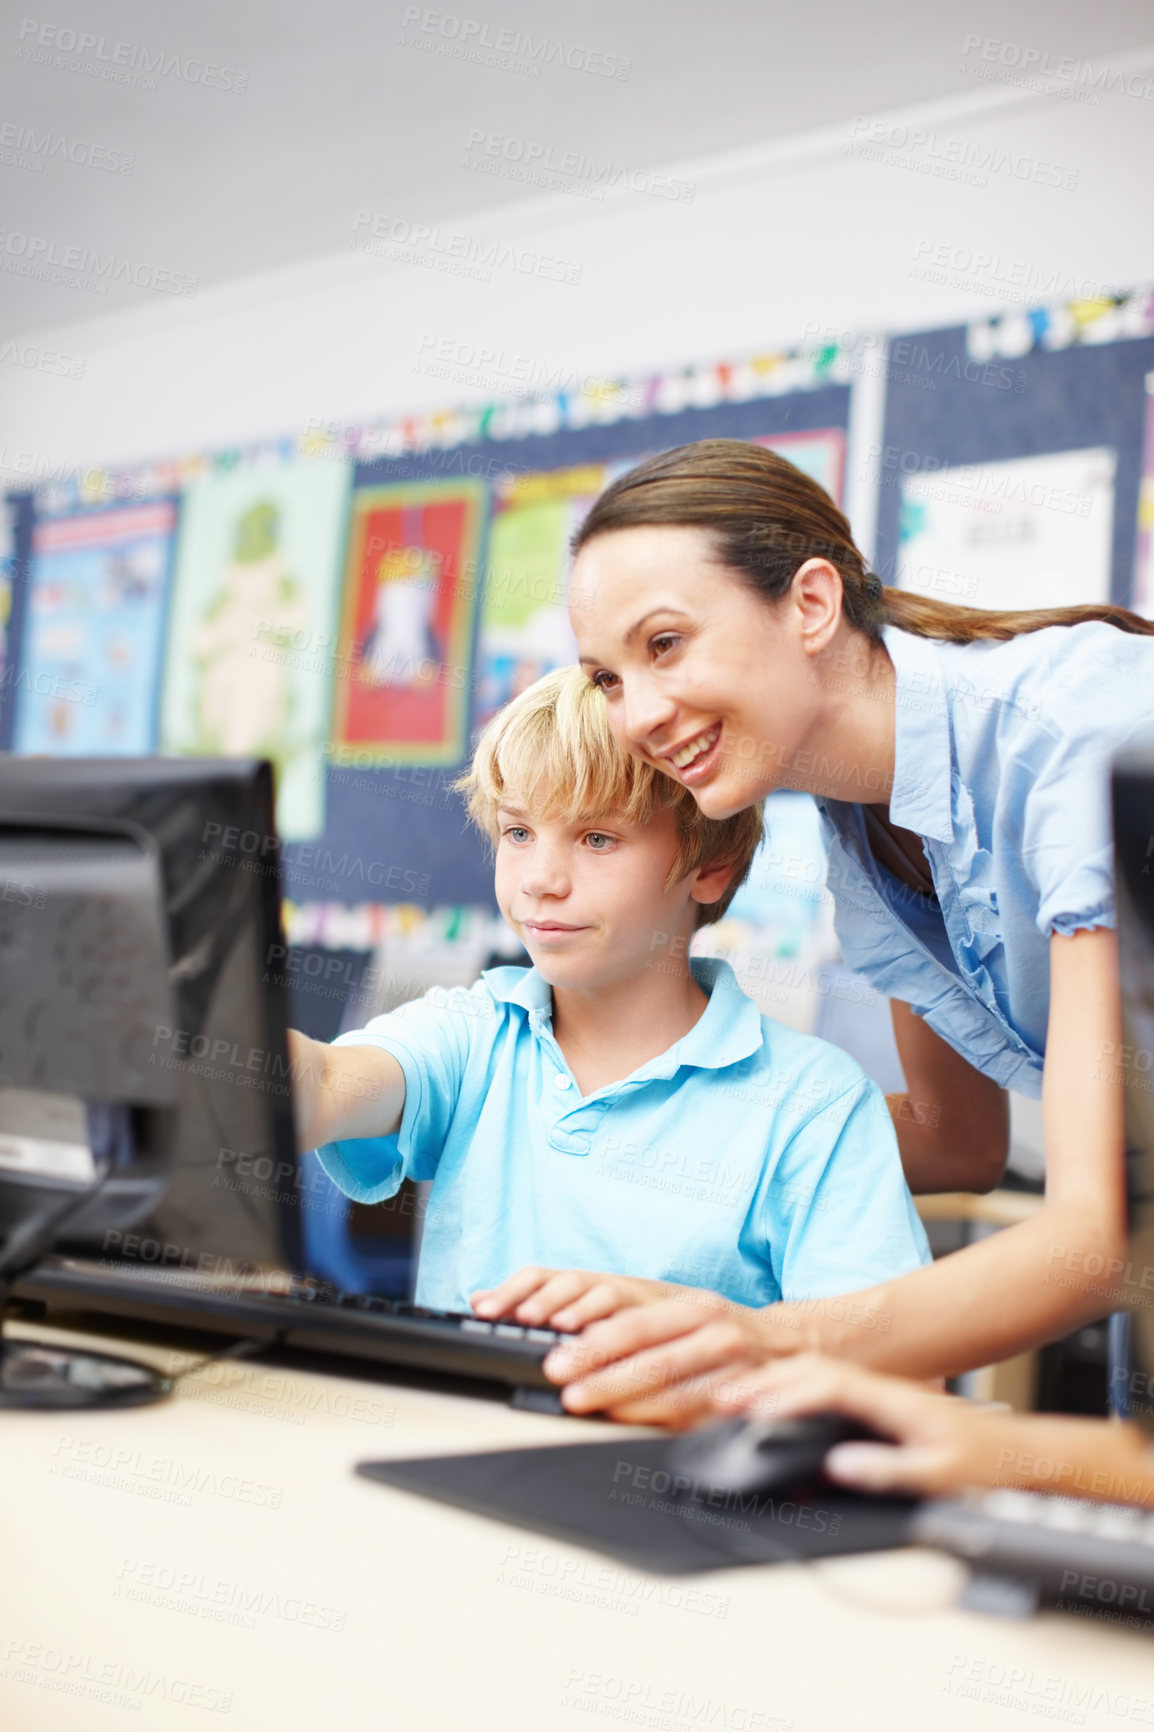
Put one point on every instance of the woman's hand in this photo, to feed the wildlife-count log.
(566, 1299)
(662, 1362)
(942, 1443)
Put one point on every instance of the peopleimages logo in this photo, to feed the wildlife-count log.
(33, 255)
(119, 62)
(505, 48)
(574, 171)
(24, 147)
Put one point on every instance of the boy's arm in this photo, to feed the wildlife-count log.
(343, 1092)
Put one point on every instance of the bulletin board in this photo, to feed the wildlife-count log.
(992, 459)
(432, 635)
(418, 593)
(409, 817)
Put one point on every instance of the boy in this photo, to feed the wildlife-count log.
(615, 1107)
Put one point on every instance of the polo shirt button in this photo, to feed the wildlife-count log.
(561, 1081)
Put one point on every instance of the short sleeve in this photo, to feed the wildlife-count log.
(840, 1215)
(1067, 836)
(430, 1040)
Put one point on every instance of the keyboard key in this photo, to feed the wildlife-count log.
(476, 1326)
(1072, 1518)
(511, 1331)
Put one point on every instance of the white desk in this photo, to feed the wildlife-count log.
(213, 1560)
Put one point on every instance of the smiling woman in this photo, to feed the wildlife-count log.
(959, 758)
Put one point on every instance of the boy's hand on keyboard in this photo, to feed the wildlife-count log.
(566, 1299)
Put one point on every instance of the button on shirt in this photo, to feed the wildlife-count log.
(1002, 756)
(748, 1158)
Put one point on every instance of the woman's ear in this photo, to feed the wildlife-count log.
(816, 594)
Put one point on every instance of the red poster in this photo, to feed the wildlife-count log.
(410, 595)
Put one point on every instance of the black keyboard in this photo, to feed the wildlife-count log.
(1027, 1549)
(308, 1314)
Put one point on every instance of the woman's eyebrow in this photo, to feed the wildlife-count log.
(637, 626)
(653, 611)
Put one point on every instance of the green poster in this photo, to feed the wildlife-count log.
(253, 625)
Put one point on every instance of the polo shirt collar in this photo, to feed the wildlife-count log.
(511, 984)
(921, 796)
(729, 1028)
(727, 1031)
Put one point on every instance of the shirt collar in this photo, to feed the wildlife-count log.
(921, 796)
(727, 1031)
(512, 984)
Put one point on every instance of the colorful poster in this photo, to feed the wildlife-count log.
(820, 454)
(525, 630)
(1143, 595)
(93, 631)
(1029, 532)
(410, 597)
(253, 625)
(7, 575)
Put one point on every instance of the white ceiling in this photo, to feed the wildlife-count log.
(341, 113)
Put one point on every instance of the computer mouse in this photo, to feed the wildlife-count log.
(739, 1456)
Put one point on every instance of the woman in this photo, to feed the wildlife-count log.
(959, 759)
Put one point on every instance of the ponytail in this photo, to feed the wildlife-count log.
(767, 517)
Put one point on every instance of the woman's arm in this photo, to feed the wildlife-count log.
(942, 1444)
(952, 1123)
(1005, 1294)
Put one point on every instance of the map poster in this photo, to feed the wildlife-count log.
(93, 631)
(252, 632)
(1028, 532)
(410, 599)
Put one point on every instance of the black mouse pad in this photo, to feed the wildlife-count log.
(630, 1500)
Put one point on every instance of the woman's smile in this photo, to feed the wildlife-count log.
(697, 758)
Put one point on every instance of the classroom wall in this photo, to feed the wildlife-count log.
(882, 223)
(773, 243)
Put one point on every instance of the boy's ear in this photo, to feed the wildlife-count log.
(710, 882)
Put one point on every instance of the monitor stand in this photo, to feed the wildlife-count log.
(38, 1374)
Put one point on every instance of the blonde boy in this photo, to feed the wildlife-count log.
(618, 1106)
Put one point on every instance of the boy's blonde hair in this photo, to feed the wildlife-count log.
(553, 746)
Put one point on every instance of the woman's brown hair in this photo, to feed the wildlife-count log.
(767, 517)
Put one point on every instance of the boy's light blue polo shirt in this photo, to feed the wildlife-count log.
(1002, 756)
(748, 1159)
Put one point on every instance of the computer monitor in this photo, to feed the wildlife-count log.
(143, 1058)
(1134, 852)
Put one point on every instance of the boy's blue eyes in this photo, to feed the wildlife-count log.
(517, 833)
